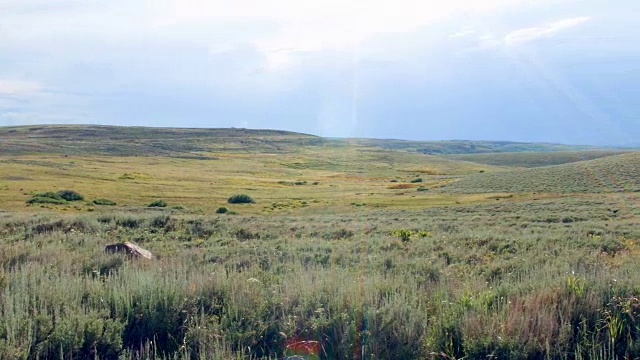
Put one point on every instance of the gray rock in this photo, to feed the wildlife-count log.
(129, 249)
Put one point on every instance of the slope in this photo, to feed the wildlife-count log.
(534, 159)
(618, 173)
(140, 141)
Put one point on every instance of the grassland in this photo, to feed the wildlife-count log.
(535, 159)
(470, 147)
(617, 173)
(372, 252)
(329, 177)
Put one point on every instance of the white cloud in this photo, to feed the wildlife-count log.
(463, 33)
(525, 35)
(278, 29)
(17, 87)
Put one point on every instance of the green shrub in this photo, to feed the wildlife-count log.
(104, 202)
(422, 188)
(222, 210)
(158, 203)
(416, 180)
(70, 195)
(45, 200)
(49, 194)
(240, 199)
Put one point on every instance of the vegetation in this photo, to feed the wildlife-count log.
(617, 173)
(535, 159)
(197, 144)
(60, 197)
(70, 195)
(469, 147)
(104, 202)
(240, 199)
(462, 281)
(158, 203)
(491, 262)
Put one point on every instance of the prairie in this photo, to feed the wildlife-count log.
(535, 159)
(617, 173)
(370, 252)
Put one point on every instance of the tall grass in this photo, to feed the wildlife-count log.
(503, 280)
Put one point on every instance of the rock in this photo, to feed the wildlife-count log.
(129, 249)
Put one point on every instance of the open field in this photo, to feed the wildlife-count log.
(323, 178)
(369, 252)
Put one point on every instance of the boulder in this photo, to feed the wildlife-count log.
(129, 249)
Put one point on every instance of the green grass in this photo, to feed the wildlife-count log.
(466, 146)
(534, 159)
(617, 173)
(341, 248)
(465, 282)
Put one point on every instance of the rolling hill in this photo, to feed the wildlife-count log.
(534, 159)
(141, 141)
(468, 146)
(618, 173)
(177, 142)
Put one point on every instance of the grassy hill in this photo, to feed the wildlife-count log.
(468, 146)
(176, 142)
(534, 159)
(608, 174)
(200, 168)
(144, 141)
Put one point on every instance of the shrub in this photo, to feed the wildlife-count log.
(422, 188)
(70, 195)
(240, 199)
(158, 203)
(49, 194)
(222, 210)
(104, 202)
(45, 200)
(416, 180)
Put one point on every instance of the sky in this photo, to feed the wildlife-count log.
(564, 71)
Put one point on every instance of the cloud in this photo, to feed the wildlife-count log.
(463, 33)
(18, 87)
(525, 35)
(277, 29)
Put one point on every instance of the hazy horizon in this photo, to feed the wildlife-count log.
(561, 72)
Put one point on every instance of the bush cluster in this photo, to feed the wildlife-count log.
(240, 199)
(60, 197)
(158, 203)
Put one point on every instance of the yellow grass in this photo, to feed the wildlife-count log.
(336, 180)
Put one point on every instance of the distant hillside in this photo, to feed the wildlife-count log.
(534, 159)
(609, 174)
(176, 142)
(469, 146)
(127, 141)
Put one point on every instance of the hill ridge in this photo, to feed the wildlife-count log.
(166, 141)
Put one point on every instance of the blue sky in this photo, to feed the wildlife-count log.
(525, 70)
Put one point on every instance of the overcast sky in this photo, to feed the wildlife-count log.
(526, 70)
